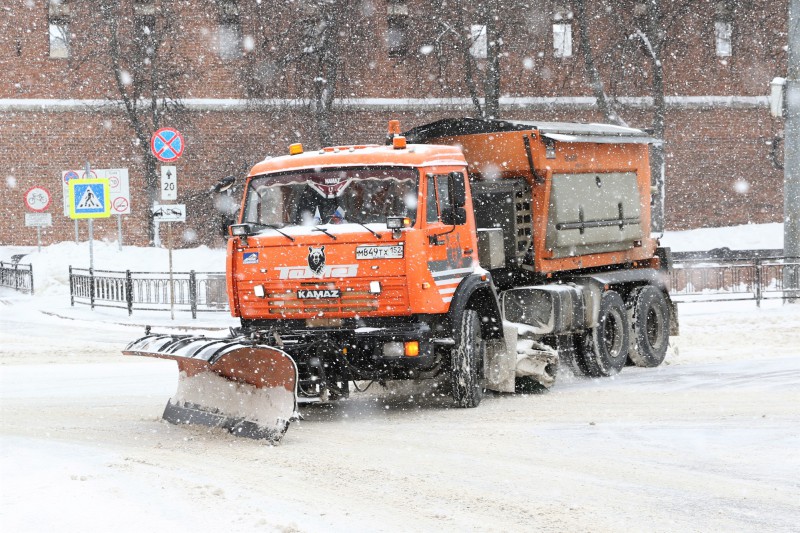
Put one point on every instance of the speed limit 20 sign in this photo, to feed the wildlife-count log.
(169, 183)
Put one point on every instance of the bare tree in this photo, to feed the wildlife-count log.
(296, 49)
(641, 34)
(455, 43)
(605, 104)
(135, 44)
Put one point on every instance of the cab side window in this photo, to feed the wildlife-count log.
(431, 211)
(438, 199)
(443, 191)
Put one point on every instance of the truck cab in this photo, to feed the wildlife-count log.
(365, 256)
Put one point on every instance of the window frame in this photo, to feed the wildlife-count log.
(723, 38)
(439, 185)
(479, 47)
(62, 24)
(562, 39)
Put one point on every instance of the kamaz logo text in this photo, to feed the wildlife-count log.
(328, 271)
(318, 294)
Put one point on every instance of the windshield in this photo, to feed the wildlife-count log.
(336, 196)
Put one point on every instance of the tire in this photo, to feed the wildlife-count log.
(648, 317)
(603, 350)
(466, 358)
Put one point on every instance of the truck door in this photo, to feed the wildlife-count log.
(447, 229)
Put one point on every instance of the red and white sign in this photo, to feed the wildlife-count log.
(120, 205)
(37, 199)
(167, 144)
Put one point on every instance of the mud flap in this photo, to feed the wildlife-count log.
(245, 388)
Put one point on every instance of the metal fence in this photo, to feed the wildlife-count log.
(696, 277)
(148, 291)
(16, 276)
(730, 279)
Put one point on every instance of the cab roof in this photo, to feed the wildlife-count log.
(414, 155)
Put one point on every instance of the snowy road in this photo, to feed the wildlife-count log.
(707, 442)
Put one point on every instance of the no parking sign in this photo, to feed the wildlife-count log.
(167, 144)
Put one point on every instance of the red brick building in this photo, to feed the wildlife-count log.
(248, 78)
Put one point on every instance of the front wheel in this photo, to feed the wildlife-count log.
(467, 361)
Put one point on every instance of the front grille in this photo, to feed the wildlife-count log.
(281, 299)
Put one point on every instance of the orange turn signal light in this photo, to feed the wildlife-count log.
(295, 149)
(412, 348)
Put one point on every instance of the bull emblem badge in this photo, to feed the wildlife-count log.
(316, 259)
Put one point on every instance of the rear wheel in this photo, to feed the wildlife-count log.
(603, 350)
(467, 361)
(648, 316)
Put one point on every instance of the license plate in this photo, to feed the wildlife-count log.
(318, 294)
(371, 251)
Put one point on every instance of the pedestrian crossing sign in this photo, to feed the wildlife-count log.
(89, 198)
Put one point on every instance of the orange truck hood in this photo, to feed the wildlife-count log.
(315, 276)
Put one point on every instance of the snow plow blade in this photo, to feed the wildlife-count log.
(235, 384)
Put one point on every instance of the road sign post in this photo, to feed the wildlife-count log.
(37, 199)
(170, 213)
(89, 199)
(38, 220)
(167, 146)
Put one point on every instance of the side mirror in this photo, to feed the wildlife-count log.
(458, 190)
(224, 184)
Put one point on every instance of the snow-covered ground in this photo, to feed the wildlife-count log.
(708, 441)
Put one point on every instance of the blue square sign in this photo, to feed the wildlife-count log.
(89, 198)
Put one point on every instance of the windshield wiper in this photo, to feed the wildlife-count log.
(326, 232)
(270, 226)
(377, 235)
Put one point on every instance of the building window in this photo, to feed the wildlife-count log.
(59, 38)
(723, 28)
(722, 32)
(562, 33)
(397, 28)
(562, 39)
(58, 29)
(229, 40)
(144, 29)
(229, 33)
(480, 46)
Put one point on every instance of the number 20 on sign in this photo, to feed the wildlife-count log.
(169, 183)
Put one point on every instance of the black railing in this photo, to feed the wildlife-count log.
(694, 279)
(16, 276)
(148, 291)
(711, 280)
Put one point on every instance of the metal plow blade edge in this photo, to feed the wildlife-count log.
(246, 388)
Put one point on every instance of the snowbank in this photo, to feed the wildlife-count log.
(745, 237)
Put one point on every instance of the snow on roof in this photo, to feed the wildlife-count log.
(371, 155)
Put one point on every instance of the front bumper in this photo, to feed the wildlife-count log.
(328, 358)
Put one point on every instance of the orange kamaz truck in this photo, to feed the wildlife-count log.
(473, 253)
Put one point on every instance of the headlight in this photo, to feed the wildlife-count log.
(397, 222)
(240, 230)
(393, 349)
